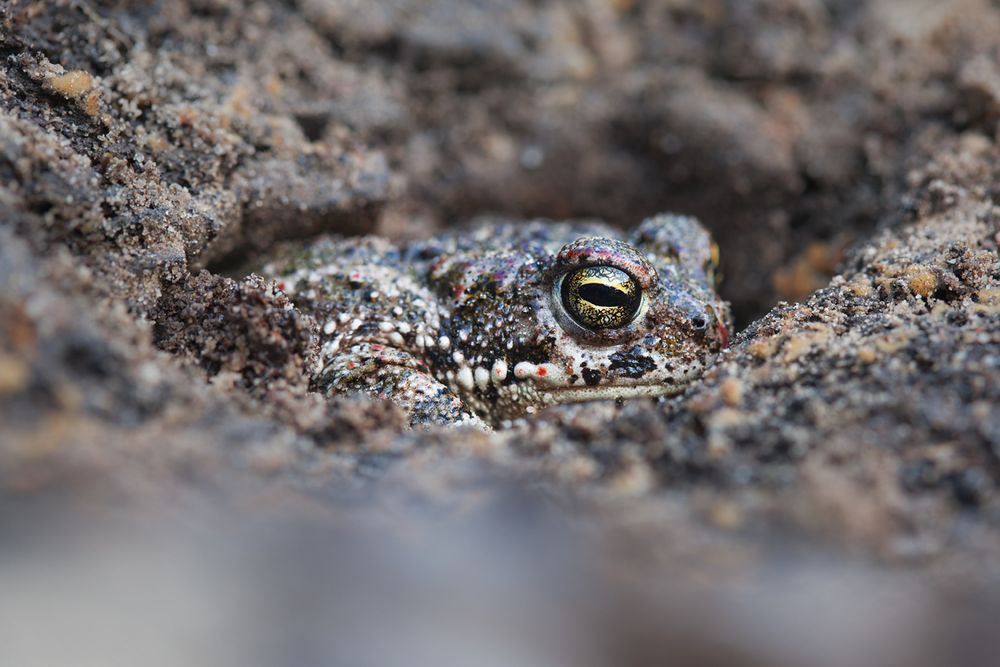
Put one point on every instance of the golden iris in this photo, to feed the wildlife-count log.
(601, 297)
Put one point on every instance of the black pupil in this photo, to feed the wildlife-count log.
(602, 295)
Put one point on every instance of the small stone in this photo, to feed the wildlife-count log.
(732, 391)
(922, 281)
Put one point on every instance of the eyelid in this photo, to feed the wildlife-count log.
(599, 251)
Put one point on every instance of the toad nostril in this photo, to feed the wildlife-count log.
(699, 322)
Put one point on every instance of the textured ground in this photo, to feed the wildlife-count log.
(838, 467)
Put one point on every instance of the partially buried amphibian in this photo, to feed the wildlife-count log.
(486, 324)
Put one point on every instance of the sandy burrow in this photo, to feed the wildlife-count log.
(138, 148)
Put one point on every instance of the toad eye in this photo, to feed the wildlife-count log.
(600, 297)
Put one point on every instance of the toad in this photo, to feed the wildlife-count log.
(489, 323)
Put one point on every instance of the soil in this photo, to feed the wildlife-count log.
(828, 494)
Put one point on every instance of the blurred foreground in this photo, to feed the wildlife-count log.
(494, 586)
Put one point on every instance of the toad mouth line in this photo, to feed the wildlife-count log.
(580, 394)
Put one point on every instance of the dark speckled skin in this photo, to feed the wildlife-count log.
(468, 327)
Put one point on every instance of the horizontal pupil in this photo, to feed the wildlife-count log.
(602, 295)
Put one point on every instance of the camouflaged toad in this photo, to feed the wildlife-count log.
(500, 320)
